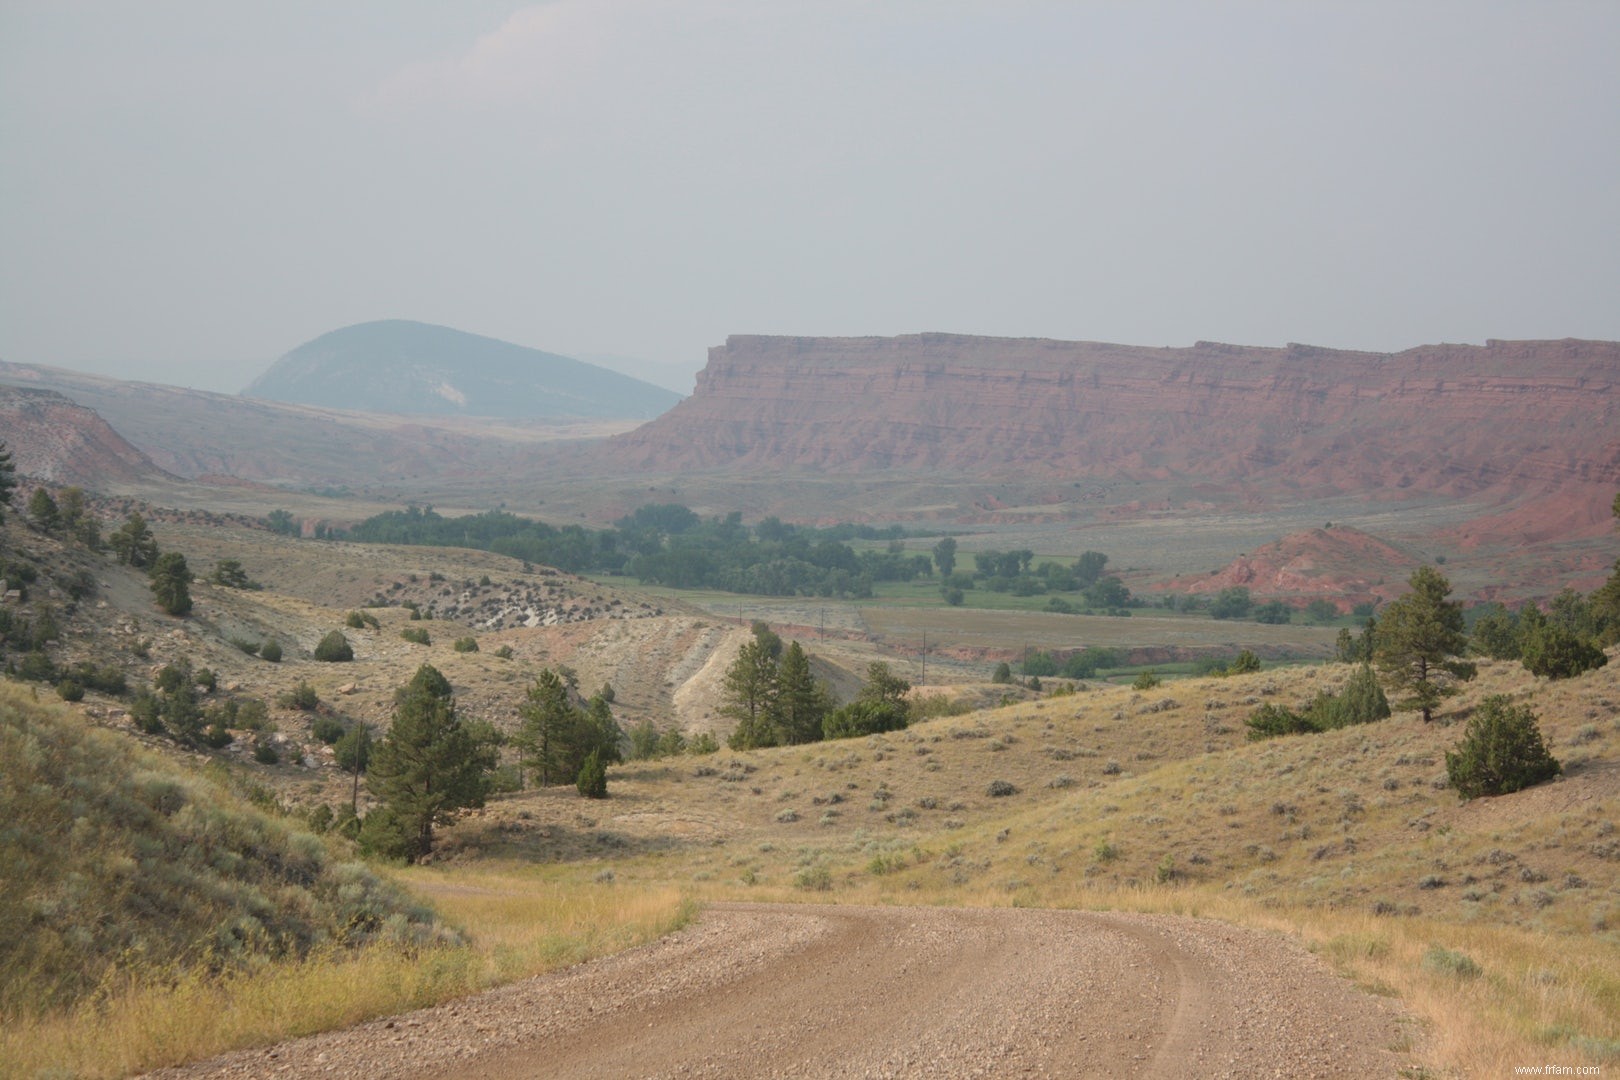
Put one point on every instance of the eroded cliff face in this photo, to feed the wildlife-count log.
(52, 439)
(1516, 417)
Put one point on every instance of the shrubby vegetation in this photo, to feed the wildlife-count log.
(1501, 751)
(1362, 701)
(111, 853)
(334, 648)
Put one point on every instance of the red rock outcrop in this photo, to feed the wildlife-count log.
(52, 439)
(1513, 418)
(1339, 563)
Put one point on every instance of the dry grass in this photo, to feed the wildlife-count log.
(519, 924)
(1155, 801)
(1146, 800)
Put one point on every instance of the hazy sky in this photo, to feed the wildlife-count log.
(188, 189)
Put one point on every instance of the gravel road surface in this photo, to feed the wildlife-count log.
(763, 990)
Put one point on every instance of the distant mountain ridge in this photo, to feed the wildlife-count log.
(418, 369)
(1512, 417)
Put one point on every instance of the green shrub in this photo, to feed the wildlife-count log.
(249, 647)
(302, 696)
(1002, 674)
(592, 781)
(1145, 681)
(1245, 663)
(504, 652)
(271, 651)
(1270, 721)
(815, 878)
(466, 644)
(1450, 962)
(1501, 751)
(328, 729)
(354, 621)
(1552, 652)
(334, 648)
(416, 635)
(251, 715)
(264, 752)
(68, 690)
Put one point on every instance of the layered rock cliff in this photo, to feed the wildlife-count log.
(1511, 416)
(52, 439)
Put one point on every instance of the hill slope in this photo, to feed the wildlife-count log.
(194, 433)
(55, 440)
(412, 368)
(112, 853)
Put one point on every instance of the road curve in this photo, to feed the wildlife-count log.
(783, 990)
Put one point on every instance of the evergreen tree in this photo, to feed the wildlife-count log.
(879, 707)
(1418, 641)
(1244, 663)
(334, 648)
(8, 479)
(76, 519)
(171, 583)
(592, 781)
(1362, 701)
(549, 731)
(602, 734)
(42, 508)
(134, 544)
(1501, 751)
(1357, 648)
(1554, 652)
(1496, 633)
(801, 701)
(428, 766)
(749, 690)
(945, 556)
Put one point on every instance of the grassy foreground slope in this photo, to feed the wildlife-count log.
(149, 916)
(1497, 922)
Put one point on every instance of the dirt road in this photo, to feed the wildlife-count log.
(823, 991)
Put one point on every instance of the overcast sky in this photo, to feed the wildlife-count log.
(189, 189)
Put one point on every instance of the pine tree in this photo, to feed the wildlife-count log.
(428, 766)
(801, 701)
(8, 479)
(171, 583)
(1417, 642)
(42, 508)
(749, 690)
(134, 543)
(592, 780)
(546, 740)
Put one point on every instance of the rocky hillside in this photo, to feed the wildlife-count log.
(1509, 417)
(52, 439)
(194, 433)
(1339, 562)
(413, 368)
